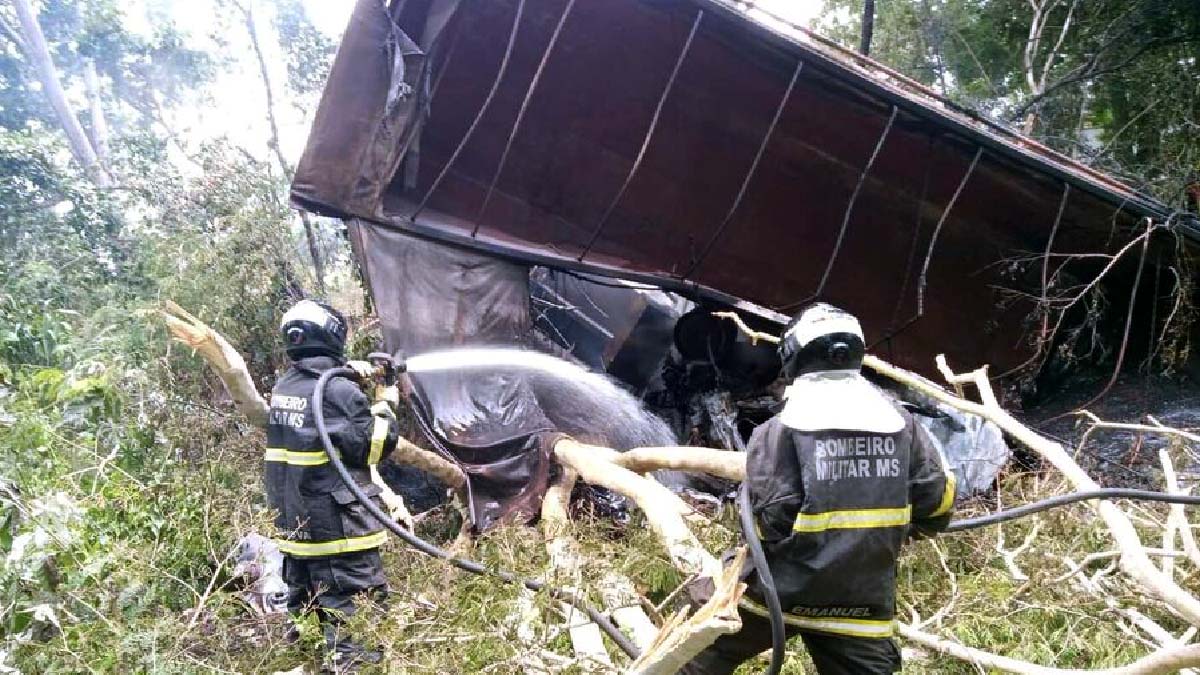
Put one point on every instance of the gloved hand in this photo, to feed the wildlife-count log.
(390, 394)
(363, 369)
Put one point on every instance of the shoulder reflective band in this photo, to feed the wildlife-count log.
(852, 520)
(297, 457)
(382, 408)
(378, 438)
(310, 549)
(947, 496)
(868, 628)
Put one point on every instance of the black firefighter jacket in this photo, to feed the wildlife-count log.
(833, 508)
(317, 515)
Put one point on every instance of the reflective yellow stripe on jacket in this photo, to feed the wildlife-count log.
(383, 415)
(947, 496)
(335, 547)
(868, 628)
(852, 520)
(297, 457)
(378, 436)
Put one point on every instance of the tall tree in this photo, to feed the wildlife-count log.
(1109, 81)
(246, 8)
(36, 50)
(868, 27)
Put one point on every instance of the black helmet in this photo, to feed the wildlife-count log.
(821, 338)
(313, 329)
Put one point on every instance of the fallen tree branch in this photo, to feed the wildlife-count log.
(1158, 428)
(231, 368)
(1162, 662)
(566, 560)
(662, 507)
(444, 470)
(1010, 555)
(221, 357)
(722, 463)
(1134, 561)
(1178, 516)
(682, 638)
(1109, 555)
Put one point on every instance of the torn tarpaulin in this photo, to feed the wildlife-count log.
(430, 297)
(973, 447)
(498, 423)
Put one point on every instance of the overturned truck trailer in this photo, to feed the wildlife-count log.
(707, 151)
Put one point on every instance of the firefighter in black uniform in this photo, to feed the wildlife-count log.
(329, 541)
(838, 480)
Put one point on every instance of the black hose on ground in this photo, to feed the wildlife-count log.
(766, 581)
(1069, 498)
(430, 549)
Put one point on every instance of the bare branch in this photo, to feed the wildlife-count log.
(1162, 662)
(1134, 561)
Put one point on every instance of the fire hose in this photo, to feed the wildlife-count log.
(746, 517)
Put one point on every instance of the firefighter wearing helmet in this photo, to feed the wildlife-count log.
(838, 480)
(329, 541)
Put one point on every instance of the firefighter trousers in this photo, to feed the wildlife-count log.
(832, 654)
(330, 587)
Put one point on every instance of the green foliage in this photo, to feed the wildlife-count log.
(309, 53)
(1119, 91)
(140, 76)
(124, 477)
(112, 529)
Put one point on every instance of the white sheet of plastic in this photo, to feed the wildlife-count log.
(973, 447)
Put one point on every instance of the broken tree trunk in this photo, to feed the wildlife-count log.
(683, 637)
(221, 357)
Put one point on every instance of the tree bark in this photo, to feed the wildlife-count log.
(683, 637)
(39, 54)
(868, 28)
(662, 508)
(96, 109)
(222, 357)
(726, 464)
